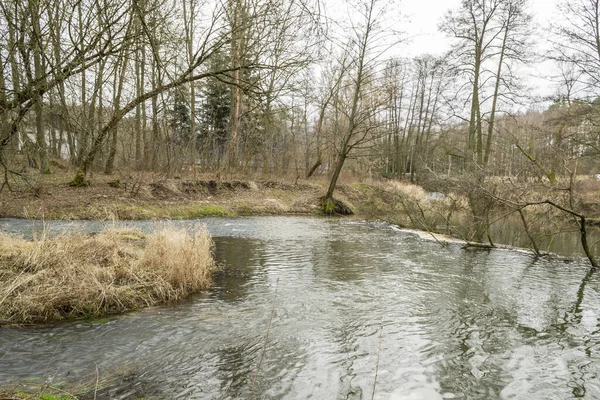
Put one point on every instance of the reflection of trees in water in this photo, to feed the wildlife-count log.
(488, 314)
(580, 374)
(239, 258)
(344, 336)
(240, 374)
(481, 315)
(234, 369)
(551, 293)
(561, 239)
(465, 330)
(245, 263)
(576, 309)
(341, 260)
(349, 268)
(538, 296)
(513, 313)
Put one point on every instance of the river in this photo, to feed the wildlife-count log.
(314, 308)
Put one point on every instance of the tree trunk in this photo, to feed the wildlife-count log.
(4, 125)
(336, 172)
(236, 96)
(14, 69)
(118, 85)
(359, 81)
(138, 108)
(42, 147)
(473, 132)
(488, 145)
(82, 143)
(189, 30)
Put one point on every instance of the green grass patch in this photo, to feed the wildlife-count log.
(49, 393)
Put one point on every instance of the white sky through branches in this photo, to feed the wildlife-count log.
(418, 22)
(423, 16)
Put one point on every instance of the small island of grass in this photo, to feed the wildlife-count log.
(80, 275)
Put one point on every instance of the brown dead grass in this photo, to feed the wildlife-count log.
(80, 275)
(407, 189)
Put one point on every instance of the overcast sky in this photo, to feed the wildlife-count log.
(418, 21)
(423, 17)
(421, 22)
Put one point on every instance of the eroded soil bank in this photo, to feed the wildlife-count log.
(158, 198)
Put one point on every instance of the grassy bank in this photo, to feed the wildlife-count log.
(79, 275)
(47, 394)
(148, 196)
(145, 196)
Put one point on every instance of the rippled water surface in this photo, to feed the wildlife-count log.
(311, 308)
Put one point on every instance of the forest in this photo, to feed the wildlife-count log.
(305, 89)
(292, 199)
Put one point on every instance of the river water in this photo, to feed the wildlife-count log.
(311, 308)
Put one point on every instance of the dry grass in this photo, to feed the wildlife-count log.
(80, 275)
(407, 189)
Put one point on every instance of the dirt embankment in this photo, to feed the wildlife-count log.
(155, 197)
(160, 198)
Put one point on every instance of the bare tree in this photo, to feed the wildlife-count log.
(512, 48)
(475, 28)
(579, 39)
(78, 55)
(364, 54)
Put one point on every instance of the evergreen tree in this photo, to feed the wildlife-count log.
(180, 120)
(215, 109)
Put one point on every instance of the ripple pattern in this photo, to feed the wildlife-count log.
(310, 308)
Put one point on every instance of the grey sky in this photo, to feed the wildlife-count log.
(423, 17)
(418, 21)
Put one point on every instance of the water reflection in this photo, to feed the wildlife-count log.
(237, 258)
(565, 241)
(309, 308)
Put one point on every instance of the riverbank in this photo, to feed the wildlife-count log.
(79, 275)
(144, 196)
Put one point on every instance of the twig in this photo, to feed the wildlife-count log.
(97, 379)
(378, 352)
(52, 356)
(422, 224)
(582, 228)
(264, 350)
(531, 239)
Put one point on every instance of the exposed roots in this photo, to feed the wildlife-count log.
(331, 206)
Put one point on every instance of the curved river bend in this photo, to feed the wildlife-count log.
(331, 309)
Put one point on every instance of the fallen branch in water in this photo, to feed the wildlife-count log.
(581, 221)
(478, 245)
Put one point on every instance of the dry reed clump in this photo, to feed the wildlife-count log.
(81, 275)
(410, 190)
